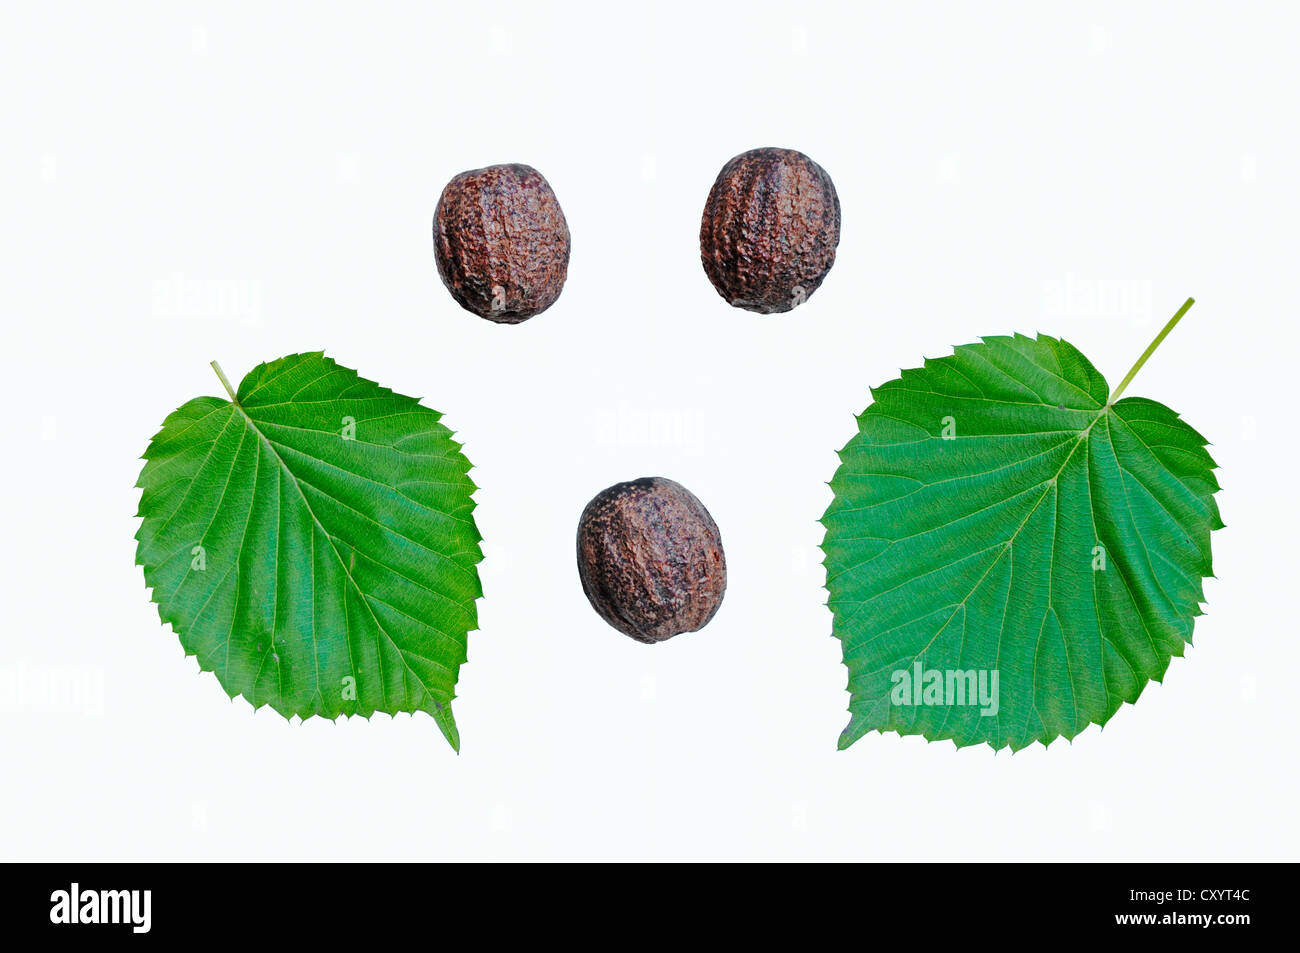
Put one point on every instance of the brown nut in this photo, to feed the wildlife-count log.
(650, 558)
(770, 229)
(501, 242)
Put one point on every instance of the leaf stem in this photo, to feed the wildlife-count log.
(1151, 349)
(226, 383)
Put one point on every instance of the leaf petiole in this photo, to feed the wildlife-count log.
(1151, 349)
(225, 382)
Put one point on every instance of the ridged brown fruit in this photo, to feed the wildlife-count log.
(650, 558)
(770, 230)
(501, 242)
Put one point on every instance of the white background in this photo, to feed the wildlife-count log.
(243, 182)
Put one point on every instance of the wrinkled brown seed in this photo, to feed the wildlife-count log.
(501, 242)
(650, 559)
(770, 229)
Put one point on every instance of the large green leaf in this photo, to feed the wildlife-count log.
(312, 543)
(998, 512)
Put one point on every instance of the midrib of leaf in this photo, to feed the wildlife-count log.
(440, 711)
(370, 519)
(1006, 547)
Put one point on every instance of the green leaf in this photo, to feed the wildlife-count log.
(998, 513)
(311, 541)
